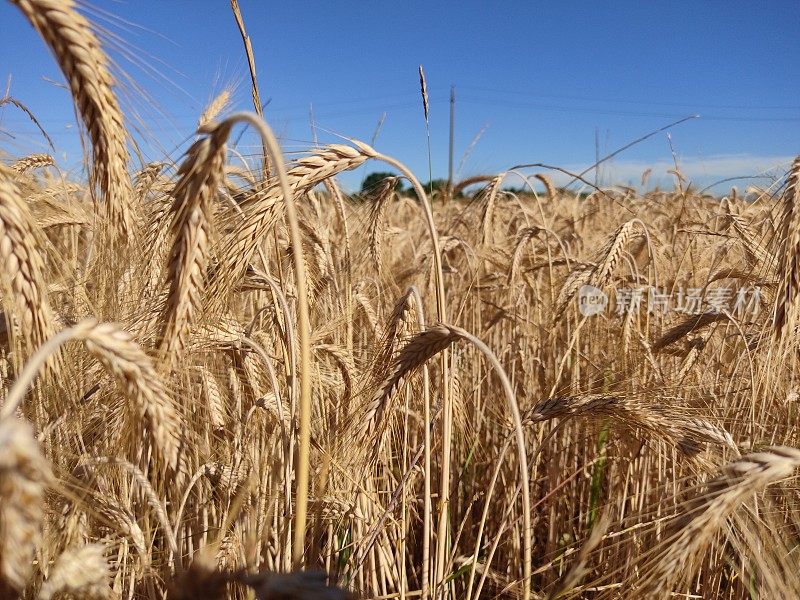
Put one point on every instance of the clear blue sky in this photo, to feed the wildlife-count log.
(542, 76)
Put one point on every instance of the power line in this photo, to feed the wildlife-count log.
(615, 112)
(301, 114)
(629, 101)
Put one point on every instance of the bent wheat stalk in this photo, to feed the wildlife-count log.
(304, 330)
(413, 356)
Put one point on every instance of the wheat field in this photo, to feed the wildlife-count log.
(226, 378)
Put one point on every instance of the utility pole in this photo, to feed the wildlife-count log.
(452, 139)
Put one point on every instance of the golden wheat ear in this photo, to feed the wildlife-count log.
(607, 258)
(218, 105)
(200, 176)
(22, 273)
(153, 408)
(789, 258)
(80, 572)
(32, 161)
(263, 209)
(384, 193)
(701, 517)
(548, 185)
(23, 475)
(84, 64)
(421, 348)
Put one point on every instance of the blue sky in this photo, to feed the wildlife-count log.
(541, 78)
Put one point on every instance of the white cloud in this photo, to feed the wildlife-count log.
(701, 170)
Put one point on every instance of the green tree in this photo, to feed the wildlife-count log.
(373, 180)
(438, 186)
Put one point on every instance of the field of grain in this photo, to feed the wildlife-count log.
(225, 378)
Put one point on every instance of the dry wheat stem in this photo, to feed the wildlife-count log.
(256, 95)
(447, 420)
(304, 335)
(421, 348)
